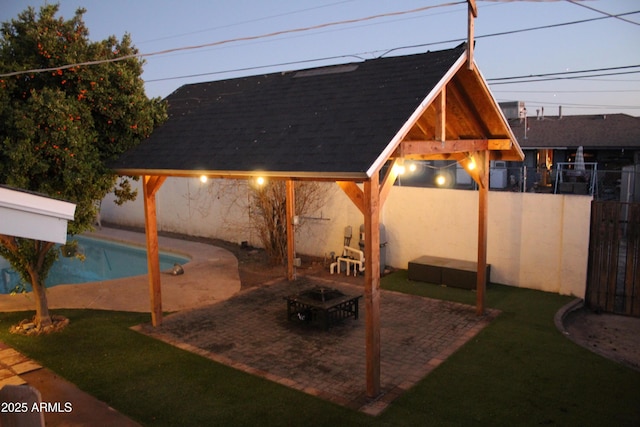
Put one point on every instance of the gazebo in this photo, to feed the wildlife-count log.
(349, 123)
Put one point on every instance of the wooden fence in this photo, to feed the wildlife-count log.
(613, 277)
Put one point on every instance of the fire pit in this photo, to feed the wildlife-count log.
(322, 305)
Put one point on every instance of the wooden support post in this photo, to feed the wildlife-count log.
(482, 164)
(150, 185)
(291, 248)
(372, 283)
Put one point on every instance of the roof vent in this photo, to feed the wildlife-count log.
(337, 69)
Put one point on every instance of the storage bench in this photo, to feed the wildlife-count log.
(446, 271)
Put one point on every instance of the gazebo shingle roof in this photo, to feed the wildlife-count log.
(331, 122)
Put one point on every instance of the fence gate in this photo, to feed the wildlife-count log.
(613, 277)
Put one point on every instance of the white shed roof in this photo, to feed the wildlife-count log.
(34, 217)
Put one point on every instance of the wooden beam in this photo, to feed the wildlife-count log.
(372, 284)
(291, 211)
(512, 156)
(388, 181)
(482, 164)
(354, 193)
(151, 184)
(410, 148)
(472, 12)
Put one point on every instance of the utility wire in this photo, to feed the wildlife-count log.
(265, 18)
(399, 48)
(602, 12)
(218, 43)
(564, 78)
(505, 33)
(564, 73)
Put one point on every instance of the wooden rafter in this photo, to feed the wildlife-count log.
(462, 99)
(441, 115)
(388, 181)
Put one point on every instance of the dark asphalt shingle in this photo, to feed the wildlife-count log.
(325, 121)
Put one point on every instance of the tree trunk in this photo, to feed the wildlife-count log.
(42, 318)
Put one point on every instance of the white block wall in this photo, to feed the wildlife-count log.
(537, 241)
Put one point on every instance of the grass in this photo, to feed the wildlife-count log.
(518, 371)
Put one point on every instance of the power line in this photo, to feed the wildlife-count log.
(566, 72)
(602, 12)
(575, 105)
(265, 18)
(221, 42)
(562, 75)
(505, 33)
(564, 78)
(566, 91)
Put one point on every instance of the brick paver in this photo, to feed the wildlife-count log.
(12, 365)
(250, 331)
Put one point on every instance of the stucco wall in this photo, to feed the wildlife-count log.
(537, 241)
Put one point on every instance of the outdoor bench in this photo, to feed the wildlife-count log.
(446, 271)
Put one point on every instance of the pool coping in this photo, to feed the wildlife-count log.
(211, 275)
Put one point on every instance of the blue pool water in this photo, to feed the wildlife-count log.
(104, 260)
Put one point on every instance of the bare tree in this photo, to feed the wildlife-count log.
(267, 212)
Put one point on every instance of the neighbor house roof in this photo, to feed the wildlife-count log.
(335, 122)
(611, 131)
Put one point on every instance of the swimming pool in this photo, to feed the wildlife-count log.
(104, 260)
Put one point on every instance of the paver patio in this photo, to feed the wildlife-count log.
(250, 332)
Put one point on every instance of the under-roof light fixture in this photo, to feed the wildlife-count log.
(203, 178)
(260, 181)
(441, 180)
(398, 167)
(471, 163)
(401, 168)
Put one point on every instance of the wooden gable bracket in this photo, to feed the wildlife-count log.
(474, 164)
(356, 194)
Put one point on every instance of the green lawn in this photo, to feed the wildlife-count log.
(518, 371)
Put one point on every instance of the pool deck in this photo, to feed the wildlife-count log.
(211, 275)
